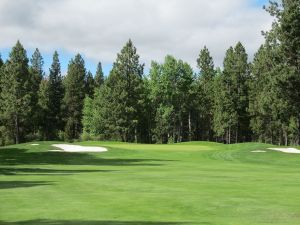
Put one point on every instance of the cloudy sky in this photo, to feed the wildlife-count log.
(99, 28)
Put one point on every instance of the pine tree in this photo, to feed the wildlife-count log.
(205, 93)
(99, 77)
(89, 84)
(1, 69)
(56, 93)
(274, 90)
(232, 102)
(1, 62)
(44, 119)
(15, 94)
(74, 97)
(126, 87)
(288, 34)
(241, 78)
(36, 74)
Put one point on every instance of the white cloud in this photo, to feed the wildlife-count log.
(99, 28)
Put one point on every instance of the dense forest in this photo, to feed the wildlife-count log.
(242, 101)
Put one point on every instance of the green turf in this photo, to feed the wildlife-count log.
(134, 184)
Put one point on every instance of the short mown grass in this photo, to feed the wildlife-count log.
(139, 184)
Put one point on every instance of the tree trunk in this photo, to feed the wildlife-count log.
(229, 135)
(190, 127)
(285, 138)
(135, 135)
(17, 130)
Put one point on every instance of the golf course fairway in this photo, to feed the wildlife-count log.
(138, 184)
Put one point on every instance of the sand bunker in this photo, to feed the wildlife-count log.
(34, 144)
(78, 148)
(286, 150)
(259, 151)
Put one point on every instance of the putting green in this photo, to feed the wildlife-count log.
(137, 184)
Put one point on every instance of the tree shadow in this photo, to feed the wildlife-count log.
(82, 222)
(22, 184)
(16, 156)
(10, 171)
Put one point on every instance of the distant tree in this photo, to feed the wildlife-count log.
(287, 32)
(103, 123)
(240, 84)
(44, 119)
(56, 93)
(99, 77)
(275, 84)
(74, 96)
(36, 74)
(89, 84)
(205, 94)
(1, 73)
(88, 116)
(16, 94)
(1, 61)
(171, 90)
(124, 95)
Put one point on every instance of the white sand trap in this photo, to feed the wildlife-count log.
(78, 148)
(34, 144)
(286, 150)
(258, 151)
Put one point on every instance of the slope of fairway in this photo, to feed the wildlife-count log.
(138, 184)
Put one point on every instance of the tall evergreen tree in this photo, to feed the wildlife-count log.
(74, 96)
(240, 84)
(274, 91)
(99, 77)
(230, 112)
(287, 30)
(224, 115)
(89, 84)
(125, 85)
(56, 93)
(36, 74)
(44, 119)
(205, 93)
(15, 94)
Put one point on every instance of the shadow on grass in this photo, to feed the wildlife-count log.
(81, 222)
(10, 171)
(16, 156)
(22, 184)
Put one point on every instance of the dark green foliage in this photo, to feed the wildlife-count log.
(1, 61)
(205, 95)
(36, 74)
(44, 118)
(99, 77)
(55, 93)
(89, 84)
(119, 102)
(126, 89)
(241, 102)
(275, 85)
(75, 90)
(231, 119)
(16, 96)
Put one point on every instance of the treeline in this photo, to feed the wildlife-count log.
(239, 102)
